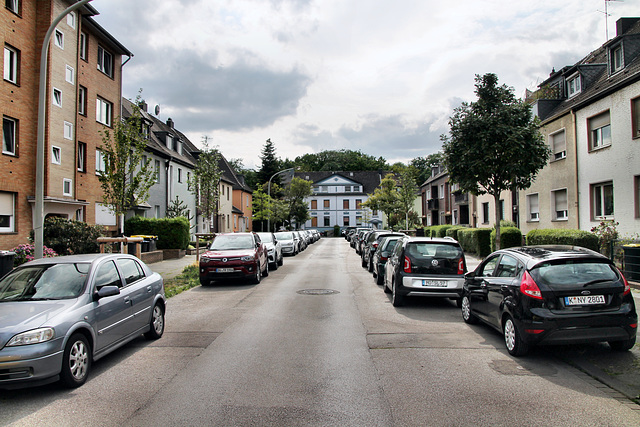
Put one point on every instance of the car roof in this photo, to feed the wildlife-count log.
(537, 254)
(432, 239)
(70, 259)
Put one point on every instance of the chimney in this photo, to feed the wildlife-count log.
(170, 122)
(143, 105)
(624, 24)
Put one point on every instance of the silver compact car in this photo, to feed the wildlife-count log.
(274, 249)
(61, 314)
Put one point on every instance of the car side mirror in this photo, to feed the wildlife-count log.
(470, 275)
(106, 291)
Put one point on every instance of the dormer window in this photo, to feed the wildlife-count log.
(617, 59)
(169, 141)
(573, 85)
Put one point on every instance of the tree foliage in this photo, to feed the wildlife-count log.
(420, 167)
(337, 160)
(385, 198)
(295, 194)
(205, 182)
(126, 179)
(494, 143)
(406, 196)
(271, 164)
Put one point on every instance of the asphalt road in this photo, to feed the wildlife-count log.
(289, 352)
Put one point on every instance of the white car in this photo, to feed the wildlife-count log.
(274, 249)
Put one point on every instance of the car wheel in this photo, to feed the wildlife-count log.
(363, 262)
(380, 281)
(266, 269)
(467, 315)
(205, 282)
(274, 266)
(385, 288)
(369, 265)
(157, 323)
(623, 345)
(76, 361)
(281, 260)
(396, 299)
(512, 339)
(258, 274)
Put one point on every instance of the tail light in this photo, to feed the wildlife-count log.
(407, 265)
(627, 288)
(375, 245)
(383, 258)
(461, 266)
(529, 287)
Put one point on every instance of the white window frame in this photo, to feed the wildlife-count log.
(557, 213)
(58, 38)
(56, 155)
(11, 59)
(71, 19)
(102, 54)
(8, 209)
(84, 43)
(104, 111)
(82, 100)
(557, 153)
(70, 74)
(56, 98)
(66, 182)
(100, 164)
(180, 175)
(13, 6)
(574, 86)
(533, 210)
(156, 170)
(81, 160)
(617, 58)
(13, 150)
(598, 189)
(600, 136)
(68, 130)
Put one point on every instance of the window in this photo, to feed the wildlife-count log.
(68, 130)
(11, 67)
(327, 221)
(71, 19)
(83, 46)
(130, 269)
(314, 204)
(533, 207)
(13, 6)
(100, 164)
(66, 187)
(560, 205)
(358, 220)
(442, 191)
(573, 85)
(617, 59)
(7, 212)
(56, 155)
(558, 145)
(104, 109)
(602, 200)
(58, 39)
(358, 204)
(636, 195)
(327, 203)
(57, 97)
(345, 204)
(70, 74)
(107, 275)
(9, 136)
(345, 221)
(347, 188)
(189, 186)
(179, 175)
(169, 141)
(635, 117)
(157, 170)
(179, 147)
(105, 61)
(82, 100)
(485, 213)
(157, 211)
(82, 157)
(599, 131)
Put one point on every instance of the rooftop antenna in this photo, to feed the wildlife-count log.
(607, 15)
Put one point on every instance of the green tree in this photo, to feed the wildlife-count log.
(205, 182)
(125, 179)
(420, 167)
(270, 164)
(178, 208)
(406, 196)
(385, 198)
(295, 194)
(494, 143)
(337, 160)
(262, 207)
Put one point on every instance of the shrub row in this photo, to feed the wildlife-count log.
(582, 238)
(69, 237)
(173, 233)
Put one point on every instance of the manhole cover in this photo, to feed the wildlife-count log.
(317, 292)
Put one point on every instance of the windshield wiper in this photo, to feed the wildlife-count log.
(596, 281)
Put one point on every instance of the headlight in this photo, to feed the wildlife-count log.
(32, 337)
(272, 250)
(247, 258)
(204, 259)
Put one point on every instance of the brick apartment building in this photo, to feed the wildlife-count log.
(84, 69)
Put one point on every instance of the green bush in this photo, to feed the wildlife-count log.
(476, 240)
(440, 230)
(563, 237)
(69, 237)
(336, 231)
(453, 231)
(509, 237)
(173, 233)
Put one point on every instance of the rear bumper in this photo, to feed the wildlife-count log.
(419, 286)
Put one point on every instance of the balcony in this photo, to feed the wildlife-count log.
(433, 204)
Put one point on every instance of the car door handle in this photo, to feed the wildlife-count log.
(149, 288)
(127, 300)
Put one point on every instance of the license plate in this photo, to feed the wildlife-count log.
(225, 270)
(435, 283)
(584, 300)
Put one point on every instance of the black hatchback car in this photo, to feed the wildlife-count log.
(551, 295)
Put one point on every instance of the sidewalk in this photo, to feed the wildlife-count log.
(170, 268)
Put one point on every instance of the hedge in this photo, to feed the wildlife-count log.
(440, 230)
(509, 237)
(453, 231)
(173, 233)
(68, 237)
(582, 238)
(476, 240)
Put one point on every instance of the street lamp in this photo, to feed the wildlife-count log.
(269, 193)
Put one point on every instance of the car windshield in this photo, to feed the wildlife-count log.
(231, 242)
(283, 235)
(572, 273)
(266, 237)
(390, 243)
(44, 282)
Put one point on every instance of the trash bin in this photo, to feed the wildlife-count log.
(632, 262)
(6, 262)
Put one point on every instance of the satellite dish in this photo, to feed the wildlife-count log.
(157, 110)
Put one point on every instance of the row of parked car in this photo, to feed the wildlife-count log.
(532, 295)
(251, 255)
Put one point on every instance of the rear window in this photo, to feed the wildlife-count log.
(389, 244)
(571, 273)
(433, 257)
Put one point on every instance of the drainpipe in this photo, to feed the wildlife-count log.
(575, 150)
(121, 67)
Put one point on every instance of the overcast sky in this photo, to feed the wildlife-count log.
(378, 76)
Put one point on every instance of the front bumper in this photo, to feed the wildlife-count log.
(30, 364)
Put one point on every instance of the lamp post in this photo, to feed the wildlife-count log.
(38, 220)
(269, 193)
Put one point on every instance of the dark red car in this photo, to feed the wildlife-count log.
(234, 256)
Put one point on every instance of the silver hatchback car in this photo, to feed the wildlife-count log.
(61, 314)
